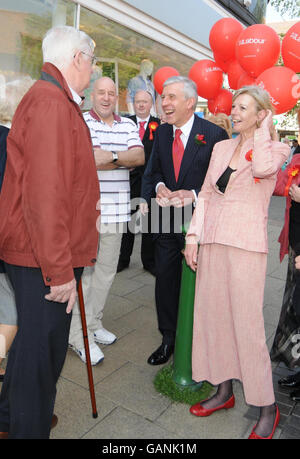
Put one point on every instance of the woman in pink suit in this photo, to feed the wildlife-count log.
(230, 223)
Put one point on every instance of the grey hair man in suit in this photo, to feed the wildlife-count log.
(175, 172)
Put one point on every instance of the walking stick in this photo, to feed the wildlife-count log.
(87, 350)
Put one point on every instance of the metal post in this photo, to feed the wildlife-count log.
(182, 373)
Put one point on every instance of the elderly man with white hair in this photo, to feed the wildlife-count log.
(48, 228)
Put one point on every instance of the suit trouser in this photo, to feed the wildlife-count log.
(147, 249)
(96, 283)
(168, 263)
(36, 357)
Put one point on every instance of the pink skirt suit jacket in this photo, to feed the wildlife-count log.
(231, 227)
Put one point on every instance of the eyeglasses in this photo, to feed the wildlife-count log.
(94, 58)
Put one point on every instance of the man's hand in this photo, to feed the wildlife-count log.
(103, 159)
(64, 293)
(297, 262)
(181, 198)
(294, 193)
(144, 208)
(191, 253)
(162, 196)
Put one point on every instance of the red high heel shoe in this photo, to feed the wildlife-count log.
(199, 410)
(255, 436)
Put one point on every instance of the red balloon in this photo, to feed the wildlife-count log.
(161, 75)
(257, 49)
(283, 85)
(245, 80)
(290, 48)
(222, 103)
(221, 63)
(208, 78)
(234, 73)
(223, 36)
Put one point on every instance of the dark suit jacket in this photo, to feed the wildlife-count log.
(193, 167)
(137, 174)
(3, 136)
(297, 151)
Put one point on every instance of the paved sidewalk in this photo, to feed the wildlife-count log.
(128, 405)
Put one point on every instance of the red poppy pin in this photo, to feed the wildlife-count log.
(199, 139)
(292, 172)
(153, 125)
(248, 157)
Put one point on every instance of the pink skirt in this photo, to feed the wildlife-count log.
(229, 339)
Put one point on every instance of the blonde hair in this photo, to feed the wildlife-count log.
(13, 93)
(222, 120)
(262, 100)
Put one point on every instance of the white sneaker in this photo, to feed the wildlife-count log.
(103, 336)
(96, 354)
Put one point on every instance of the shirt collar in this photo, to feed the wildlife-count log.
(95, 115)
(186, 128)
(75, 96)
(138, 120)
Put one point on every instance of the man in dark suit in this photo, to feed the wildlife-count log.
(177, 168)
(147, 127)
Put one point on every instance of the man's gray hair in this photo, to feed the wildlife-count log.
(189, 87)
(61, 43)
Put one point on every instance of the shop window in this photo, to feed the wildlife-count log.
(125, 55)
(22, 32)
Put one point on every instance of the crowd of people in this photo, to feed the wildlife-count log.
(66, 215)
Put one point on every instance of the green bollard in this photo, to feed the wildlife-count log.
(182, 374)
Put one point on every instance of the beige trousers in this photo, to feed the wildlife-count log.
(96, 283)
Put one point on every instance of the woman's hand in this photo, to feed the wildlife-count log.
(267, 122)
(191, 254)
(297, 262)
(294, 193)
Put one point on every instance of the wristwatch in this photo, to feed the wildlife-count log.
(115, 156)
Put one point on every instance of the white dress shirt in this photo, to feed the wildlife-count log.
(76, 97)
(186, 130)
(146, 120)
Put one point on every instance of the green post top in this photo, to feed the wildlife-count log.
(185, 228)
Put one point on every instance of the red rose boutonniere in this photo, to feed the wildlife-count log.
(199, 139)
(152, 126)
(248, 157)
(292, 172)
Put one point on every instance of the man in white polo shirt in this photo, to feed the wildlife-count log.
(117, 147)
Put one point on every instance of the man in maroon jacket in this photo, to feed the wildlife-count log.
(47, 227)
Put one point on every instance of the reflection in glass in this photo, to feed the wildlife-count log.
(122, 50)
(22, 31)
(23, 25)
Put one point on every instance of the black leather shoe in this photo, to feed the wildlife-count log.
(122, 265)
(295, 395)
(161, 355)
(290, 382)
